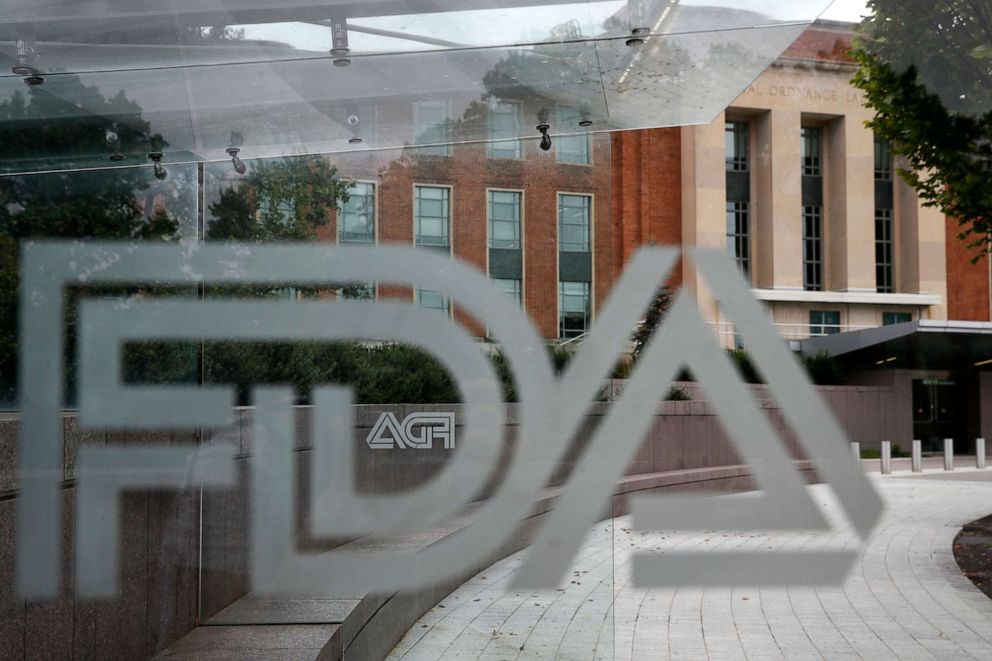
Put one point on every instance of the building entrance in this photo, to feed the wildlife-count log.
(938, 411)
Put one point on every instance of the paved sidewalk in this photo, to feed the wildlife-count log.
(905, 598)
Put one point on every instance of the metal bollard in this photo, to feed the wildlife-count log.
(886, 457)
(948, 454)
(980, 453)
(856, 451)
(917, 456)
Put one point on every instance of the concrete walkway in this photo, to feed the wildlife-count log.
(905, 598)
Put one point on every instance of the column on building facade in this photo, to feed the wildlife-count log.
(920, 235)
(704, 194)
(850, 213)
(778, 240)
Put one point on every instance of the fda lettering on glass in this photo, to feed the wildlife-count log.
(550, 412)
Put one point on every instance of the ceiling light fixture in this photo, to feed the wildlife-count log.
(156, 158)
(239, 165)
(339, 41)
(26, 55)
(543, 127)
(235, 148)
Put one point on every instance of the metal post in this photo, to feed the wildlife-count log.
(917, 456)
(856, 451)
(980, 453)
(948, 454)
(886, 457)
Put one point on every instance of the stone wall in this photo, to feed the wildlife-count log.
(181, 567)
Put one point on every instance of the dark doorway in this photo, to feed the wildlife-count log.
(938, 412)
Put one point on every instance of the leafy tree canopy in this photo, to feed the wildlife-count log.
(926, 70)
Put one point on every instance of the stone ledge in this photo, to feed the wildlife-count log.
(366, 628)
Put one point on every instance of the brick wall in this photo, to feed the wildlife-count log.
(967, 283)
(646, 192)
(470, 172)
(823, 42)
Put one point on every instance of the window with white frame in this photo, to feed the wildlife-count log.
(433, 127)
(504, 120)
(505, 210)
(356, 217)
(432, 300)
(573, 309)
(510, 287)
(574, 222)
(571, 148)
(432, 215)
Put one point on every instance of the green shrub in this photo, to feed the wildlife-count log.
(678, 394)
(744, 366)
(823, 369)
(560, 357)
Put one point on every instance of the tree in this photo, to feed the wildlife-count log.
(282, 200)
(652, 319)
(926, 70)
(40, 129)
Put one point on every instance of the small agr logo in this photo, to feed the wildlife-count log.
(418, 431)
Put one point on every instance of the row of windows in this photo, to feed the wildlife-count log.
(737, 148)
(574, 303)
(505, 117)
(432, 218)
(827, 322)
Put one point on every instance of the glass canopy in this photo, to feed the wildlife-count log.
(105, 83)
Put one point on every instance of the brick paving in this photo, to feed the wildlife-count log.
(904, 599)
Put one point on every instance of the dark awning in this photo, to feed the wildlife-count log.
(931, 345)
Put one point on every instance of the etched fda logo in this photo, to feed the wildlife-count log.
(418, 431)
(549, 414)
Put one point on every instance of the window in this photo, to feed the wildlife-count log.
(893, 318)
(504, 119)
(574, 219)
(431, 119)
(824, 323)
(356, 218)
(510, 287)
(431, 213)
(737, 149)
(504, 219)
(573, 309)
(883, 251)
(358, 291)
(883, 160)
(812, 249)
(571, 148)
(738, 236)
(432, 300)
(812, 155)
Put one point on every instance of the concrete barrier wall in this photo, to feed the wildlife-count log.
(184, 556)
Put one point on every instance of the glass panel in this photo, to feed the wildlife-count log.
(356, 218)
(738, 234)
(431, 215)
(812, 138)
(573, 309)
(574, 220)
(813, 249)
(737, 146)
(432, 118)
(504, 119)
(505, 208)
(509, 287)
(572, 148)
